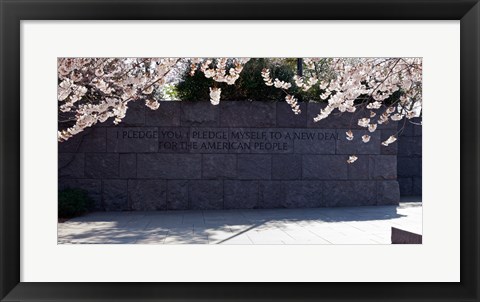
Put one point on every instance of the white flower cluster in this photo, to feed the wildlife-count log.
(390, 140)
(374, 80)
(74, 93)
(290, 99)
(89, 114)
(281, 84)
(349, 135)
(365, 138)
(277, 83)
(266, 77)
(364, 122)
(97, 89)
(310, 62)
(369, 83)
(305, 86)
(215, 95)
(219, 72)
(152, 104)
(352, 159)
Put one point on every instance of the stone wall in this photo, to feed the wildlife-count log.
(192, 155)
(409, 160)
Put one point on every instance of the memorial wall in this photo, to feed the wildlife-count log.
(237, 155)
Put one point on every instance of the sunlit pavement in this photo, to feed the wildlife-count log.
(353, 225)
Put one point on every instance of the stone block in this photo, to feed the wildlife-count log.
(247, 114)
(411, 127)
(288, 119)
(219, 166)
(90, 140)
(276, 141)
(326, 167)
(407, 129)
(272, 194)
(132, 139)
(128, 165)
(417, 130)
(71, 165)
(199, 114)
(222, 140)
(417, 186)
(240, 194)
(358, 169)
(177, 194)
(169, 166)
(101, 165)
(315, 141)
(357, 146)
(92, 186)
(147, 195)
(115, 195)
(205, 194)
(350, 193)
(383, 167)
(406, 186)
(254, 166)
(174, 140)
(286, 166)
(168, 114)
(304, 194)
(400, 236)
(409, 167)
(388, 192)
(410, 146)
(135, 114)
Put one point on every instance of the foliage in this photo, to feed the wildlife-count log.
(73, 202)
(248, 87)
(194, 87)
(169, 92)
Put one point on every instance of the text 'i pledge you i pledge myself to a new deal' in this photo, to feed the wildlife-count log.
(225, 139)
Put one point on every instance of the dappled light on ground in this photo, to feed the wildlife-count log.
(352, 225)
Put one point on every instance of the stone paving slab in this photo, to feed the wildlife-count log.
(348, 225)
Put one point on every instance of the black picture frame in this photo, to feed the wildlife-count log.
(13, 11)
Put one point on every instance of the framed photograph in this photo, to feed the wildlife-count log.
(239, 150)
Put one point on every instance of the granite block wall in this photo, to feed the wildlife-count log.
(409, 159)
(192, 155)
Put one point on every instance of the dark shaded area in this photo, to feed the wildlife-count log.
(409, 158)
(404, 237)
(73, 202)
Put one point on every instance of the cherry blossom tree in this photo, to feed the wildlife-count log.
(92, 90)
(363, 87)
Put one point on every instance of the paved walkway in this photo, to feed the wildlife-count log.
(355, 225)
